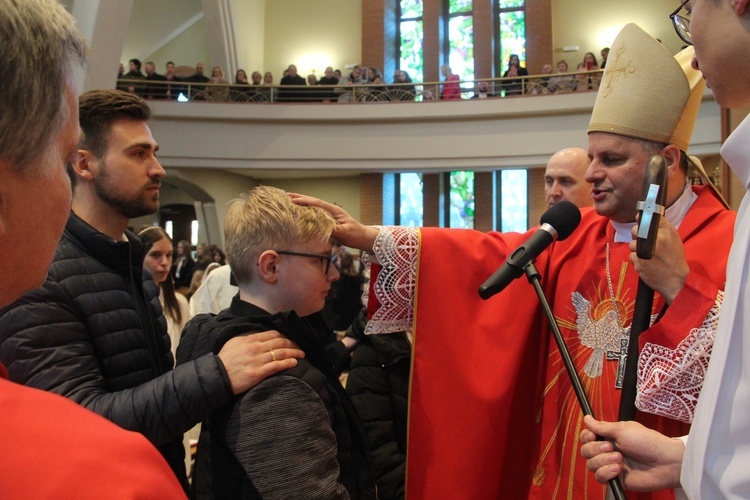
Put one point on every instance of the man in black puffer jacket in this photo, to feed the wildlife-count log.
(95, 332)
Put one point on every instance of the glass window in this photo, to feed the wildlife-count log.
(514, 200)
(460, 40)
(461, 207)
(411, 199)
(409, 39)
(510, 33)
(411, 8)
(455, 6)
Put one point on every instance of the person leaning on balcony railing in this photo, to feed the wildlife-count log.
(292, 79)
(482, 91)
(241, 87)
(134, 74)
(514, 86)
(344, 90)
(402, 92)
(562, 84)
(590, 64)
(541, 85)
(329, 78)
(155, 90)
(267, 88)
(375, 90)
(450, 88)
(172, 90)
(219, 92)
(196, 91)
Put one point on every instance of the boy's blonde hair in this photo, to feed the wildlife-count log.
(266, 218)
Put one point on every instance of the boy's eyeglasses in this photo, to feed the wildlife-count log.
(681, 24)
(326, 258)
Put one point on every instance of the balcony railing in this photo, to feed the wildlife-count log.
(182, 90)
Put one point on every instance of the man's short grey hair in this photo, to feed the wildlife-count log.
(654, 148)
(39, 46)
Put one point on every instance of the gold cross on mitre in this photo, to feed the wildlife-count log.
(615, 71)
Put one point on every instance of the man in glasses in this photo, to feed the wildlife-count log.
(297, 434)
(492, 412)
(714, 461)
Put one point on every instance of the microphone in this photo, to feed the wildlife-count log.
(558, 222)
(652, 207)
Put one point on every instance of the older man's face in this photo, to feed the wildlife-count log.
(36, 205)
(564, 178)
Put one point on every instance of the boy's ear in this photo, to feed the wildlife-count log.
(739, 6)
(267, 263)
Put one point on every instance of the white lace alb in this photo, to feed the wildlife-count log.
(397, 250)
(670, 380)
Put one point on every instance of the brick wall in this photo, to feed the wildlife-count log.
(379, 29)
(378, 32)
(537, 202)
(371, 198)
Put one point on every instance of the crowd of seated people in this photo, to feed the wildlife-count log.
(362, 84)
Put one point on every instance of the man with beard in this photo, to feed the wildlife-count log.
(95, 332)
(52, 447)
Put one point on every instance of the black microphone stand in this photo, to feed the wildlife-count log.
(534, 277)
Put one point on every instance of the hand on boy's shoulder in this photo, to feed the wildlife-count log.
(250, 359)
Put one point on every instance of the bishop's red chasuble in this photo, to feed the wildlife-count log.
(492, 410)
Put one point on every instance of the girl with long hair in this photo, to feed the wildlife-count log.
(158, 262)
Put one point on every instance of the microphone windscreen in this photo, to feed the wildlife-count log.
(564, 217)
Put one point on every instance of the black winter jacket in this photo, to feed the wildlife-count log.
(281, 414)
(378, 384)
(95, 333)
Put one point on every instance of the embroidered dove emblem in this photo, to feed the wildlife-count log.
(600, 334)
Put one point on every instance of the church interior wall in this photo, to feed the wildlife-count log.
(280, 32)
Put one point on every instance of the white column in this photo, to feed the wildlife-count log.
(105, 26)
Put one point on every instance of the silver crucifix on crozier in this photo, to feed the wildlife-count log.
(622, 357)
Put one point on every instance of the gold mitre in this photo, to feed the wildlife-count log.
(646, 93)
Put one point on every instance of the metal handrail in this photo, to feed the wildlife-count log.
(361, 92)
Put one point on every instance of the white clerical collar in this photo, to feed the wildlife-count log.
(736, 151)
(675, 214)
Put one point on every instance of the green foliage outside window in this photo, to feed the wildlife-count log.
(462, 199)
(411, 50)
(411, 210)
(461, 29)
(411, 9)
(410, 43)
(514, 194)
(457, 6)
(512, 33)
